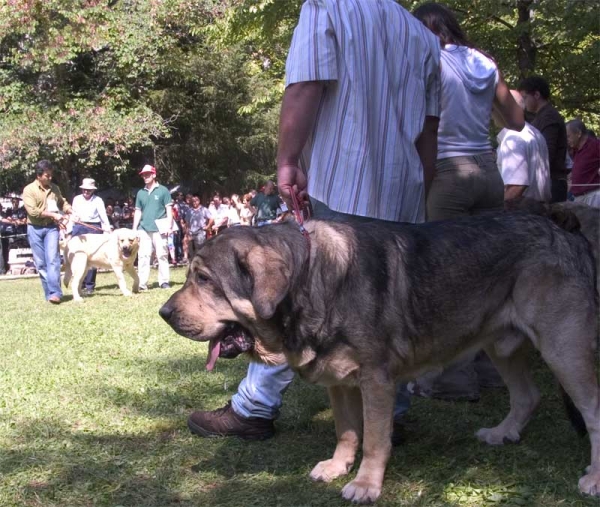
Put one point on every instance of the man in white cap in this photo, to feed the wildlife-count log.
(92, 219)
(153, 219)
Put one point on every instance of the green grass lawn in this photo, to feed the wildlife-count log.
(95, 399)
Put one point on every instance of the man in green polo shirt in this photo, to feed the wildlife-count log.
(153, 219)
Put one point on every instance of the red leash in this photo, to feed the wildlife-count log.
(88, 225)
(299, 216)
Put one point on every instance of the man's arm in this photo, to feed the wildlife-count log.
(508, 112)
(137, 216)
(298, 113)
(103, 216)
(513, 191)
(223, 221)
(169, 208)
(427, 148)
(63, 203)
(513, 164)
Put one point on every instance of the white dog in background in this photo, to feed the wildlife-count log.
(116, 251)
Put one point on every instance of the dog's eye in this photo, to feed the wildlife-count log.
(243, 269)
(201, 277)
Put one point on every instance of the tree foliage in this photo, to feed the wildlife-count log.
(194, 86)
(103, 86)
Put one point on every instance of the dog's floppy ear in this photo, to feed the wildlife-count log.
(565, 219)
(271, 279)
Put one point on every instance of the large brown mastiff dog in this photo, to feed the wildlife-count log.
(361, 306)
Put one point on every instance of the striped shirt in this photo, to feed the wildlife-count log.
(382, 68)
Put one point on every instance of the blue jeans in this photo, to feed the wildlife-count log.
(44, 245)
(260, 393)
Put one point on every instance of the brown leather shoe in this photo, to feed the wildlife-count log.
(224, 422)
(55, 300)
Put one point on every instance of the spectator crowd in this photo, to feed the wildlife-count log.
(195, 220)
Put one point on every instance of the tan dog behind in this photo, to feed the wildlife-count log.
(364, 305)
(587, 220)
(116, 251)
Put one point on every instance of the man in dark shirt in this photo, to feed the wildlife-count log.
(266, 204)
(585, 175)
(536, 93)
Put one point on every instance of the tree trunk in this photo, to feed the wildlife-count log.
(526, 49)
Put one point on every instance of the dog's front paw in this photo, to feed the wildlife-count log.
(135, 289)
(329, 469)
(359, 491)
(589, 484)
(127, 293)
(494, 436)
(78, 300)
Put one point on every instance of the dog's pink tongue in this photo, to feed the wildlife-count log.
(214, 348)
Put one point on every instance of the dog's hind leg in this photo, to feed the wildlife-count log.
(346, 403)
(68, 274)
(524, 395)
(79, 269)
(572, 361)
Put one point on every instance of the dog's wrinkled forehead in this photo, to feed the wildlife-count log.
(127, 237)
(215, 258)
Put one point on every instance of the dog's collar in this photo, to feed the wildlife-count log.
(305, 234)
(299, 216)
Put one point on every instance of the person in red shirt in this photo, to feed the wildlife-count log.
(585, 174)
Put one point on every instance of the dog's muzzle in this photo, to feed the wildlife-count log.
(231, 342)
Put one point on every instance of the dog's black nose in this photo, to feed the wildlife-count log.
(166, 311)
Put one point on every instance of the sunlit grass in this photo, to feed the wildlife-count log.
(95, 399)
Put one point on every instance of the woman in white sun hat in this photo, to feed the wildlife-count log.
(92, 219)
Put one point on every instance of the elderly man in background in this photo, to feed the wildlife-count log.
(522, 159)
(43, 203)
(92, 219)
(585, 174)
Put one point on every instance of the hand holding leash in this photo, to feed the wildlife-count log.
(291, 181)
(60, 220)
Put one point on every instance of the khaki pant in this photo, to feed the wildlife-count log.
(465, 186)
(148, 241)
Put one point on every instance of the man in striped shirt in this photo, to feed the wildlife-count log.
(360, 115)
